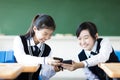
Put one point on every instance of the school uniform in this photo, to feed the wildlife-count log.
(26, 52)
(102, 51)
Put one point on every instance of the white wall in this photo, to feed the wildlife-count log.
(6, 42)
(65, 47)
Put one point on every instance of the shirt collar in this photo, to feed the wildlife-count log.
(94, 47)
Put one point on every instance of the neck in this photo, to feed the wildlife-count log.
(35, 40)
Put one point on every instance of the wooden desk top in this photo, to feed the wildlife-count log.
(12, 70)
(30, 67)
(111, 69)
(9, 70)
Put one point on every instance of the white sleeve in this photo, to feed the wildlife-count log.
(47, 72)
(103, 55)
(22, 57)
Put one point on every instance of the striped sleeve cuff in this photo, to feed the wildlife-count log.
(85, 63)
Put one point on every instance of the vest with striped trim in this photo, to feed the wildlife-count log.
(35, 75)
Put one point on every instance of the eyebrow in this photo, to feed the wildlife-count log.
(86, 35)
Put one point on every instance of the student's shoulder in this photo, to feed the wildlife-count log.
(17, 38)
(105, 40)
(47, 46)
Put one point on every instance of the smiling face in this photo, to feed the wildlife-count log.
(86, 41)
(42, 35)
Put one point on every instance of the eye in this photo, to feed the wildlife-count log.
(86, 37)
(45, 33)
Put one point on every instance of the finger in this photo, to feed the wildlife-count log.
(65, 64)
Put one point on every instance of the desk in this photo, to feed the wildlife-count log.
(10, 70)
(111, 69)
(30, 67)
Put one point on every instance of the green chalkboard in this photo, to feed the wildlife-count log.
(16, 15)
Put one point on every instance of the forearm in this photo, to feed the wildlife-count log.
(79, 65)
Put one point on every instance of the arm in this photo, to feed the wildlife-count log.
(104, 54)
(48, 71)
(73, 66)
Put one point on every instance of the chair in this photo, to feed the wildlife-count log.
(117, 52)
(7, 56)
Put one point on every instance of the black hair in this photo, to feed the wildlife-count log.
(40, 21)
(91, 27)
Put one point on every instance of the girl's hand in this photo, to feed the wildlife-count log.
(57, 69)
(70, 67)
(73, 66)
(53, 62)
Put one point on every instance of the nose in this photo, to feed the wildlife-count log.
(82, 42)
(47, 37)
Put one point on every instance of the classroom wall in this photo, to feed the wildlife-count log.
(16, 15)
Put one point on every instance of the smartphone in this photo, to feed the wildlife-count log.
(57, 58)
(67, 61)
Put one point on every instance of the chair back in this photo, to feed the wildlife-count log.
(7, 56)
(117, 52)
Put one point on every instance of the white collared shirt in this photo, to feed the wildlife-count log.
(103, 56)
(22, 57)
(47, 71)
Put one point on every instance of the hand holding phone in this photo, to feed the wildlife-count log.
(61, 60)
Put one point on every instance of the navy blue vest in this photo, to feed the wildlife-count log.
(35, 75)
(95, 69)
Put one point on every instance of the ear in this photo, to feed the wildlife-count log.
(34, 28)
(96, 36)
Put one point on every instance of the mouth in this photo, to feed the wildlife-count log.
(84, 46)
(41, 41)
